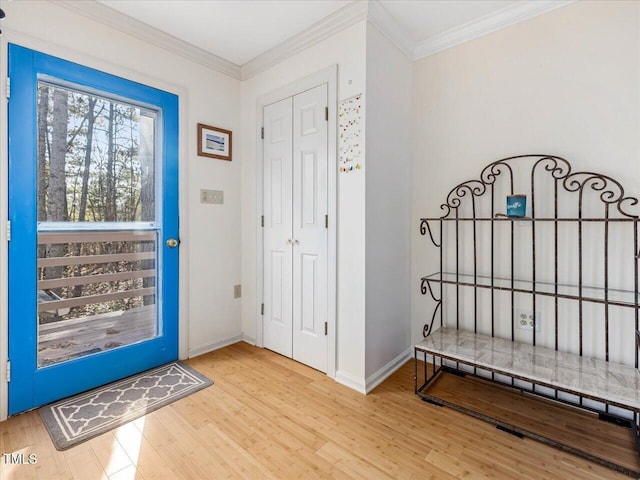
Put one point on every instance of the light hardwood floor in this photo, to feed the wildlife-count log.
(269, 417)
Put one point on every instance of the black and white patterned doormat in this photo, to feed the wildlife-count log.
(79, 418)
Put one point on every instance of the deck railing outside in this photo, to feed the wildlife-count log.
(89, 274)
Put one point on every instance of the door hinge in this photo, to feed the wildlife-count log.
(326, 221)
(262, 309)
(8, 371)
(262, 133)
(326, 328)
(8, 88)
(326, 114)
(262, 221)
(8, 230)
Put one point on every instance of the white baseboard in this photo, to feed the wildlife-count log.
(194, 352)
(389, 369)
(372, 381)
(348, 380)
(249, 340)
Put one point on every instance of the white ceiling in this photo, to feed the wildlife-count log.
(241, 30)
(236, 30)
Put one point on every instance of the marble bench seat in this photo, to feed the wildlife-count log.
(608, 382)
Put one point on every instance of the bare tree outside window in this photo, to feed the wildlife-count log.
(94, 156)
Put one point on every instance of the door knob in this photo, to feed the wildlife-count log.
(172, 243)
(296, 242)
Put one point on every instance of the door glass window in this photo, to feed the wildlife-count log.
(97, 232)
(96, 159)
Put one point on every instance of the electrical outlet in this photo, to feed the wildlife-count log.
(215, 197)
(525, 320)
(237, 291)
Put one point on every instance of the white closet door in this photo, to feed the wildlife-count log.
(310, 203)
(295, 233)
(278, 209)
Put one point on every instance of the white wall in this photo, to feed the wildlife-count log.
(565, 83)
(210, 250)
(388, 185)
(347, 50)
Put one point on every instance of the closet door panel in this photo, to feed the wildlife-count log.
(310, 164)
(277, 231)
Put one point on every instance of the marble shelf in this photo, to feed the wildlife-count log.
(623, 298)
(612, 383)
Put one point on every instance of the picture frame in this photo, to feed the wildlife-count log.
(214, 142)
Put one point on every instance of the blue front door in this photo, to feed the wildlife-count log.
(93, 210)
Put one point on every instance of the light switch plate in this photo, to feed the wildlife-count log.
(213, 197)
(237, 291)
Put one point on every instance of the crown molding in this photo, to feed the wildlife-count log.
(347, 16)
(384, 22)
(371, 11)
(485, 25)
(115, 19)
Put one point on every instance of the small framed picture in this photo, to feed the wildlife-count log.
(214, 142)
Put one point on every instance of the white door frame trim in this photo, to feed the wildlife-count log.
(330, 77)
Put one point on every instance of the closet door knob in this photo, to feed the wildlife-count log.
(296, 242)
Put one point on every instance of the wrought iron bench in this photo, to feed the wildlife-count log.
(547, 303)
